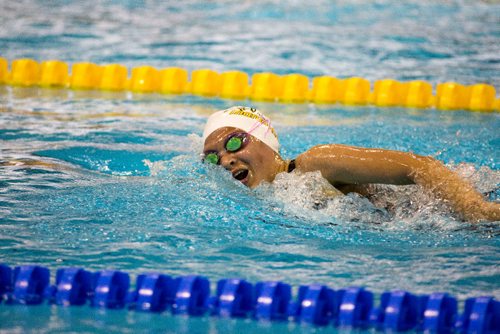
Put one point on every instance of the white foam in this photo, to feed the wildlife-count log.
(196, 143)
(155, 167)
(393, 207)
(312, 199)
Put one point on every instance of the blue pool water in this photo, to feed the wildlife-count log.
(113, 180)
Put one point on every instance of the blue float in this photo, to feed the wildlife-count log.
(440, 313)
(153, 292)
(481, 315)
(192, 295)
(316, 304)
(234, 298)
(355, 306)
(5, 281)
(30, 283)
(73, 286)
(399, 311)
(111, 289)
(272, 299)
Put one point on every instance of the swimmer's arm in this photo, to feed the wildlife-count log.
(346, 165)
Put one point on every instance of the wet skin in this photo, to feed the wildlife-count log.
(351, 168)
(252, 164)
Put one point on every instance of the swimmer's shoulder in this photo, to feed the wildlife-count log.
(315, 157)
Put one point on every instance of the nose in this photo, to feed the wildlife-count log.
(227, 160)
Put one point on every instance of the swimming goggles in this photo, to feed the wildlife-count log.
(234, 142)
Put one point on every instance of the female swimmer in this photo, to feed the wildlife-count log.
(242, 140)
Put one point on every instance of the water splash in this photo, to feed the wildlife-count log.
(310, 196)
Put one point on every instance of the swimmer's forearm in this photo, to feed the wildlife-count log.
(458, 192)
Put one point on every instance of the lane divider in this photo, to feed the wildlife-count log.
(315, 304)
(295, 88)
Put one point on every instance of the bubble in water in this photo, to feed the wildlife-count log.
(196, 143)
(155, 167)
(486, 180)
(311, 197)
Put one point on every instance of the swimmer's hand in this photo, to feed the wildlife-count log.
(483, 211)
(345, 165)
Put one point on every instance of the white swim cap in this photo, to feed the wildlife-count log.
(247, 119)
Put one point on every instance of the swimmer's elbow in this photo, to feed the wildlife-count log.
(423, 165)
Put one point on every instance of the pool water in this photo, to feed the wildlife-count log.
(114, 180)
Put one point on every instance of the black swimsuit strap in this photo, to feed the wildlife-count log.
(291, 165)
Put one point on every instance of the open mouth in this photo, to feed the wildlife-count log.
(241, 175)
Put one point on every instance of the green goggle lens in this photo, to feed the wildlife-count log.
(234, 144)
(212, 158)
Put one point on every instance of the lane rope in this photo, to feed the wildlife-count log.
(316, 304)
(265, 86)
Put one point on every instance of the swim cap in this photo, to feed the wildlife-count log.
(247, 119)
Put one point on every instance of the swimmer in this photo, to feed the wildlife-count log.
(243, 141)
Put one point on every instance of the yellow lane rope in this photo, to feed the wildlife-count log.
(265, 86)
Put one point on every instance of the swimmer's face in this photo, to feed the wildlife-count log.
(253, 163)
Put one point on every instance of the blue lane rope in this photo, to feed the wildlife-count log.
(315, 304)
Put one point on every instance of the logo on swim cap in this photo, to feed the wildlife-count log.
(247, 119)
